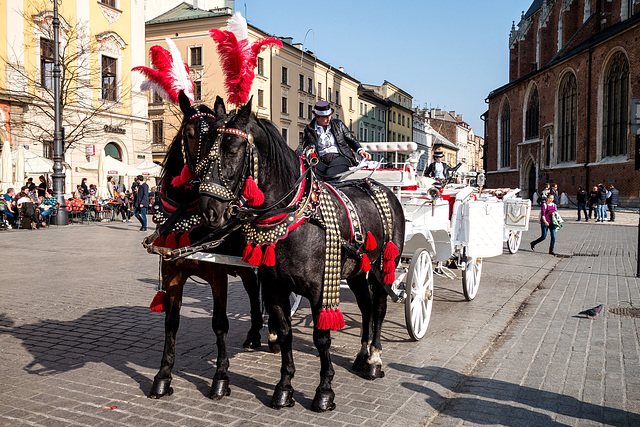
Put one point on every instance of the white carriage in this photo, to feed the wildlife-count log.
(460, 224)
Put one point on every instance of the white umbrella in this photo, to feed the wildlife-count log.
(114, 167)
(148, 168)
(19, 168)
(33, 164)
(102, 191)
(6, 180)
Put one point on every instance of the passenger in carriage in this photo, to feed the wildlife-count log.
(333, 142)
(438, 169)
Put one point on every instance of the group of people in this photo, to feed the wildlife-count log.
(34, 204)
(599, 201)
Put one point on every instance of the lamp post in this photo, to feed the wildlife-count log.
(62, 216)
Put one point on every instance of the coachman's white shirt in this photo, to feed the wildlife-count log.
(326, 141)
(439, 170)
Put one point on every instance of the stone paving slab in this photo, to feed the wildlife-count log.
(77, 338)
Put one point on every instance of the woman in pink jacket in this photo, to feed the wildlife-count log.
(546, 212)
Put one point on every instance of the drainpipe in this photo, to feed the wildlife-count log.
(271, 83)
(586, 165)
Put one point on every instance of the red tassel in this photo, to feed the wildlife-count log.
(256, 256)
(251, 192)
(171, 241)
(185, 176)
(338, 319)
(370, 244)
(389, 278)
(391, 251)
(160, 241)
(365, 265)
(159, 302)
(246, 254)
(323, 320)
(269, 258)
(388, 266)
(184, 240)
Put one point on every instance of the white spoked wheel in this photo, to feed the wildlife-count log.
(419, 300)
(471, 276)
(294, 301)
(513, 241)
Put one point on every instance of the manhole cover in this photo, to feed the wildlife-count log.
(625, 311)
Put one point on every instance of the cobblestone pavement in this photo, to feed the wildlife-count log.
(79, 346)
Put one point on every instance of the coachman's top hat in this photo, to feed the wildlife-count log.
(322, 109)
(438, 154)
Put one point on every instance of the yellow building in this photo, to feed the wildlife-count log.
(102, 106)
(289, 80)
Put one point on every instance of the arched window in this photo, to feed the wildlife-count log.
(615, 111)
(567, 109)
(505, 135)
(113, 150)
(532, 116)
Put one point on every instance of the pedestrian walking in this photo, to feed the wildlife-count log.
(593, 203)
(547, 210)
(602, 200)
(582, 203)
(554, 191)
(613, 196)
(544, 193)
(141, 202)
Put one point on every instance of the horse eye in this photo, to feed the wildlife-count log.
(191, 131)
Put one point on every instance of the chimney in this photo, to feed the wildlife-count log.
(459, 117)
(341, 69)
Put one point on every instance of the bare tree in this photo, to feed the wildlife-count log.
(81, 74)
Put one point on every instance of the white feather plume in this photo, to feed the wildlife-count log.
(181, 74)
(238, 26)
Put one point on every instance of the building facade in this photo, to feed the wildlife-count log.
(571, 110)
(102, 107)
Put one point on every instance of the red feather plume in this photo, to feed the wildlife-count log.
(238, 58)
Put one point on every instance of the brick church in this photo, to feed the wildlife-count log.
(571, 110)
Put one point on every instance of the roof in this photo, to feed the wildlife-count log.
(533, 8)
(441, 141)
(184, 12)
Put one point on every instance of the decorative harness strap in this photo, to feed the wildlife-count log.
(391, 251)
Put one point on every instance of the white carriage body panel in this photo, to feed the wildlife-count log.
(482, 227)
(516, 214)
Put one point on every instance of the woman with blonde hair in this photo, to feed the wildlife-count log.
(547, 210)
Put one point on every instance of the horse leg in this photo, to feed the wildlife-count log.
(272, 337)
(360, 289)
(323, 399)
(173, 281)
(280, 318)
(220, 323)
(373, 367)
(250, 283)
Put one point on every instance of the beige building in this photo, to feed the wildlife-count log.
(399, 113)
(289, 80)
(103, 108)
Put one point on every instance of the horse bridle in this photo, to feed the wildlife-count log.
(204, 130)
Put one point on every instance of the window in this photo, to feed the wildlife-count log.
(196, 56)
(366, 112)
(285, 76)
(260, 66)
(351, 125)
(284, 105)
(197, 91)
(338, 97)
(394, 118)
(403, 120)
(113, 150)
(567, 109)
(361, 109)
(319, 90)
(285, 135)
(300, 137)
(532, 116)
(301, 110)
(351, 103)
(260, 98)
(158, 132)
(373, 135)
(109, 78)
(615, 111)
(111, 3)
(505, 136)
(47, 149)
(301, 82)
(157, 99)
(46, 63)
(310, 111)
(310, 86)
(329, 94)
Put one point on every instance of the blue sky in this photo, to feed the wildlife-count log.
(446, 54)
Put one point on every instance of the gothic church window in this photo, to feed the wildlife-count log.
(532, 116)
(567, 109)
(616, 104)
(505, 135)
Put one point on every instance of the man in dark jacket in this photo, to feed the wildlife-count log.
(582, 203)
(613, 197)
(332, 142)
(602, 198)
(141, 202)
(438, 169)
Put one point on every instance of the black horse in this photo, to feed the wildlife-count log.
(298, 259)
(177, 212)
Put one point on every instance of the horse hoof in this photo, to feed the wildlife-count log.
(252, 341)
(323, 401)
(282, 399)
(160, 388)
(371, 372)
(274, 347)
(360, 362)
(219, 389)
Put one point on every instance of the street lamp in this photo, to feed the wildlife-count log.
(62, 216)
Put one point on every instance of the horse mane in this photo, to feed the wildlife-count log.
(174, 159)
(281, 160)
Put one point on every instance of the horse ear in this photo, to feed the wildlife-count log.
(245, 110)
(219, 108)
(185, 104)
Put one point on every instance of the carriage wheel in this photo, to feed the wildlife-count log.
(294, 302)
(513, 241)
(471, 276)
(419, 300)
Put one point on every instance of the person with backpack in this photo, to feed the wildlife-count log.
(582, 203)
(613, 197)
